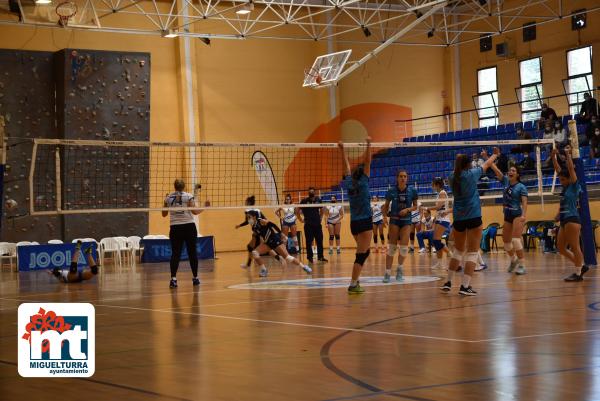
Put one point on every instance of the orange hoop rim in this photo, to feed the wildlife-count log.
(66, 13)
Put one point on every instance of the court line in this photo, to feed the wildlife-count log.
(537, 335)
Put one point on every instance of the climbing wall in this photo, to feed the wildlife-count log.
(96, 95)
(106, 96)
(26, 111)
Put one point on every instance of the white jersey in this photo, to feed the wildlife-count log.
(427, 225)
(443, 214)
(334, 214)
(289, 215)
(415, 217)
(377, 212)
(177, 200)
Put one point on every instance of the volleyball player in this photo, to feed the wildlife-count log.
(361, 219)
(467, 227)
(569, 233)
(287, 215)
(73, 275)
(515, 212)
(335, 214)
(270, 240)
(442, 222)
(182, 230)
(255, 240)
(378, 225)
(400, 202)
(415, 219)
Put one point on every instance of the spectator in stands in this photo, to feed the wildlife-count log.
(548, 114)
(589, 108)
(521, 134)
(561, 136)
(476, 161)
(527, 164)
(595, 143)
(589, 131)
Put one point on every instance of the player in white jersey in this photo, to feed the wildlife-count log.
(255, 241)
(335, 214)
(442, 222)
(287, 215)
(74, 275)
(415, 220)
(378, 223)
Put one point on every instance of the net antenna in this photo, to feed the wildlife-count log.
(326, 69)
(65, 11)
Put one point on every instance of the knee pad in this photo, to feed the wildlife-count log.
(290, 258)
(337, 237)
(472, 257)
(458, 255)
(361, 257)
(508, 246)
(249, 248)
(255, 254)
(403, 250)
(438, 244)
(331, 237)
(517, 243)
(392, 250)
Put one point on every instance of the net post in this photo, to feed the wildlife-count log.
(587, 233)
(538, 162)
(58, 181)
(31, 175)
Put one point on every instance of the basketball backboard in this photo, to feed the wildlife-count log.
(326, 69)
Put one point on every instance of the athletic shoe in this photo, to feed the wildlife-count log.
(513, 265)
(263, 272)
(447, 286)
(399, 276)
(330, 251)
(520, 270)
(307, 269)
(386, 278)
(467, 291)
(195, 281)
(422, 251)
(88, 250)
(244, 266)
(173, 283)
(584, 270)
(355, 289)
(574, 277)
(339, 251)
(433, 250)
(411, 250)
(310, 261)
(481, 267)
(323, 260)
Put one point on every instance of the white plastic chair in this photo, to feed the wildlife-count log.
(136, 246)
(23, 243)
(149, 236)
(109, 245)
(55, 241)
(8, 251)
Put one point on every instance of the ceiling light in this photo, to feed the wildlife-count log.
(43, 1)
(430, 33)
(245, 9)
(169, 33)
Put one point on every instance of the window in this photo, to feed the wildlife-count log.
(579, 69)
(530, 92)
(487, 97)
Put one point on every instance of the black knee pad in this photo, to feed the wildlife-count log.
(249, 248)
(362, 257)
(331, 237)
(337, 237)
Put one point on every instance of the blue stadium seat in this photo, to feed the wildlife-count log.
(528, 125)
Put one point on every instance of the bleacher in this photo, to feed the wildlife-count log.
(424, 164)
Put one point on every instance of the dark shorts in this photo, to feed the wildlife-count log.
(360, 226)
(378, 223)
(509, 217)
(469, 224)
(572, 219)
(445, 224)
(400, 223)
(274, 242)
(289, 225)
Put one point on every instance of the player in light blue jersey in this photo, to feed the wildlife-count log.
(569, 234)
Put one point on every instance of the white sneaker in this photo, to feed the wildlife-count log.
(263, 272)
(307, 269)
(244, 266)
(422, 251)
(433, 250)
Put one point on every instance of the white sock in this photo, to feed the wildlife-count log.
(466, 281)
(388, 271)
(514, 258)
(353, 283)
(450, 274)
(174, 278)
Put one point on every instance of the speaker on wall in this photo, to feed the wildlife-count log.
(529, 32)
(485, 42)
(502, 49)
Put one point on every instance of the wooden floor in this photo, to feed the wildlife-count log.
(532, 337)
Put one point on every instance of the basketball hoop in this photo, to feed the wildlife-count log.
(312, 76)
(65, 11)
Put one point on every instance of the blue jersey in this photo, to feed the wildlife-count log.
(467, 204)
(401, 200)
(512, 197)
(360, 198)
(569, 201)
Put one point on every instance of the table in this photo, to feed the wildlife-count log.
(159, 250)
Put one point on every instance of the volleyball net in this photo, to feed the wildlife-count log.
(83, 176)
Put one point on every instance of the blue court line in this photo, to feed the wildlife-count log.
(456, 383)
